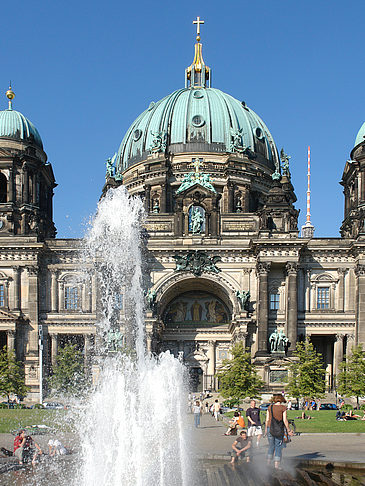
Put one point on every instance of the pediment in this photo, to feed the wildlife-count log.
(7, 316)
(197, 186)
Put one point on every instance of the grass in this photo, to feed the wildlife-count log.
(324, 421)
(12, 419)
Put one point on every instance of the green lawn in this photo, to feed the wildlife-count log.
(15, 418)
(324, 421)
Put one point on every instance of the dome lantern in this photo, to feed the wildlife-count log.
(197, 75)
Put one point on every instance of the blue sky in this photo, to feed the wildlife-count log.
(83, 71)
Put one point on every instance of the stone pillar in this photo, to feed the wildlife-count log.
(214, 223)
(163, 199)
(33, 310)
(87, 351)
(11, 185)
(147, 198)
(54, 291)
(93, 293)
(263, 269)
(341, 289)
(337, 353)
(10, 340)
(360, 304)
(54, 348)
(61, 302)
(350, 344)
(34, 188)
(25, 184)
(230, 197)
(211, 356)
(16, 280)
(292, 322)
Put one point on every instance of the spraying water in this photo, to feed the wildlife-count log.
(133, 430)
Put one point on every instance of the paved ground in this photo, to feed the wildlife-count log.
(210, 441)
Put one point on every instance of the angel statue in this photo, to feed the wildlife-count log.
(243, 298)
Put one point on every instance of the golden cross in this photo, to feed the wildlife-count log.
(198, 22)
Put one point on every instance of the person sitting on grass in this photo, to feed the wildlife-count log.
(241, 447)
(305, 417)
(233, 423)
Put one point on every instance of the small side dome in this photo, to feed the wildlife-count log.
(360, 137)
(15, 125)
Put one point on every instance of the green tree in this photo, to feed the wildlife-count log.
(238, 378)
(12, 379)
(351, 378)
(306, 374)
(69, 372)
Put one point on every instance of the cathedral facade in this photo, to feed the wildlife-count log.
(225, 259)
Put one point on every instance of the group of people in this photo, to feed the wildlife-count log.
(276, 428)
(27, 450)
(350, 415)
(197, 410)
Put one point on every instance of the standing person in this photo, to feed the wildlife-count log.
(216, 409)
(206, 407)
(276, 420)
(241, 447)
(254, 422)
(19, 445)
(197, 410)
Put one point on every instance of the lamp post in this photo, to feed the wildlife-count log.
(40, 342)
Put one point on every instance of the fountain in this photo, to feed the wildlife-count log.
(132, 430)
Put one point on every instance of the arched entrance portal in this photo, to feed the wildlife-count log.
(196, 318)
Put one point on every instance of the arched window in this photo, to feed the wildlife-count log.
(3, 188)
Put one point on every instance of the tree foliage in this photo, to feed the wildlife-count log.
(238, 378)
(69, 373)
(351, 379)
(12, 379)
(307, 373)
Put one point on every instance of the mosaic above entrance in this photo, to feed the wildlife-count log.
(196, 307)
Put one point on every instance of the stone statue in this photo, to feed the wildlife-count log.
(151, 298)
(273, 341)
(285, 163)
(159, 141)
(282, 341)
(276, 176)
(205, 182)
(244, 299)
(197, 220)
(110, 169)
(114, 340)
(236, 144)
(188, 181)
(197, 262)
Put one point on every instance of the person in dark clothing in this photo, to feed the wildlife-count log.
(254, 422)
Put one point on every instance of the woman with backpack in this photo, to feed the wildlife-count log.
(276, 422)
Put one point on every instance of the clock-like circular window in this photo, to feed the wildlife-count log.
(198, 121)
(259, 133)
(137, 134)
(198, 94)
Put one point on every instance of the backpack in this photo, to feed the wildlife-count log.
(276, 426)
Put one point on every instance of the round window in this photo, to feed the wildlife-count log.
(198, 121)
(137, 134)
(259, 133)
(198, 94)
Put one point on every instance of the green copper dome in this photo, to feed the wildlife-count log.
(360, 137)
(16, 126)
(197, 119)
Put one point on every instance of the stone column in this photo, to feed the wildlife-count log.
(337, 353)
(10, 340)
(292, 323)
(211, 356)
(25, 184)
(230, 197)
(54, 291)
(214, 222)
(88, 351)
(93, 293)
(350, 344)
(147, 200)
(163, 199)
(341, 289)
(11, 186)
(16, 279)
(263, 269)
(61, 302)
(33, 310)
(360, 303)
(54, 348)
